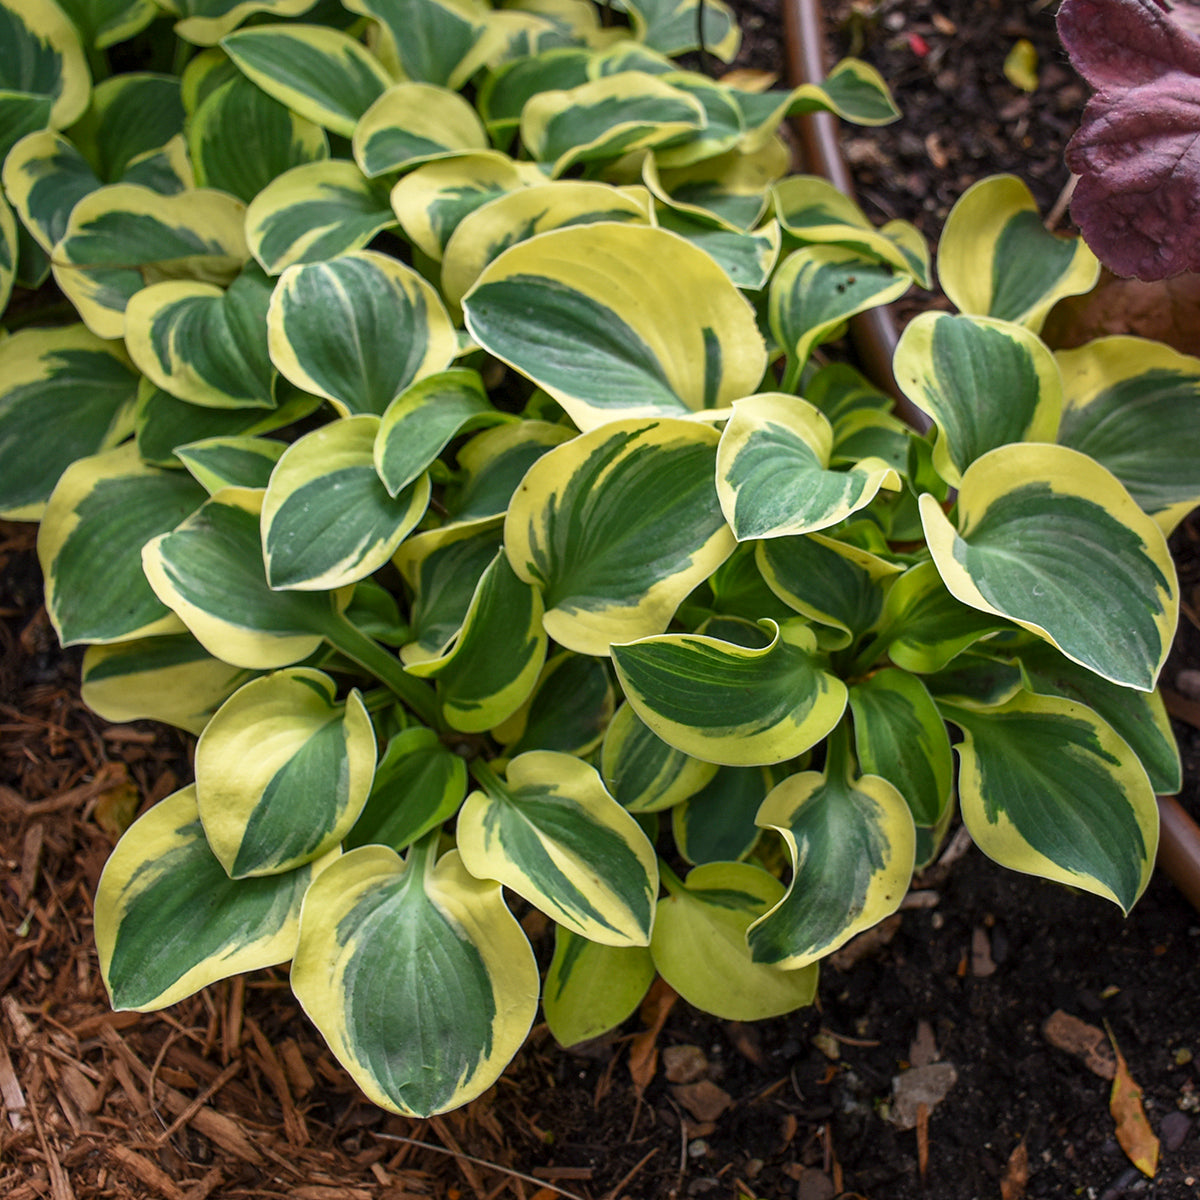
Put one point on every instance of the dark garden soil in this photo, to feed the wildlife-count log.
(232, 1093)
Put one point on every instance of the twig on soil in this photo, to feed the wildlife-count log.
(479, 1162)
(615, 1191)
(1060, 205)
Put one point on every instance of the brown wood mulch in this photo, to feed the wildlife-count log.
(228, 1094)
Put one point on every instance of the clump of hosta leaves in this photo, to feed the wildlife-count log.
(432, 425)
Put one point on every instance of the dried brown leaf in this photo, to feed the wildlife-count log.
(643, 1050)
(1133, 1130)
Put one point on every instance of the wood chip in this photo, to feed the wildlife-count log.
(1084, 1041)
(294, 1128)
(298, 1075)
(204, 1187)
(11, 1093)
(150, 1174)
(31, 859)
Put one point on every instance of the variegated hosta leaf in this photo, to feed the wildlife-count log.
(321, 74)
(729, 704)
(814, 210)
(282, 772)
(616, 527)
(44, 79)
(433, 39)
(676, 26)
(492, 465)
(123, 237)
(104, 509)
(9, 251)
(748, 258)
(205, 344)
(736, 589)
(1131, 405)
(374, 610)
(431, 201)
(852, 845)
(45, 176)
(169, 920)
(509, 85)
(162, 423)
(1051, 540)
(856, 92)
(996, 259)
(419, 424)
(568, 711)
(485, 676)
(64, 394)
(553, 834)
(985, 383)
(103, 23)
(170, 678)
(327, 519)
(222, 462)
(772, 470)
(358, 330)
(642, 772)
(722, 128)
(412, 123)
(699, 945)
(925, 626)
(605, 118)
(900, 736)
(623, 54)
(717, 823)
(209, 570)
(732, 188)
(1046, 787)
(419, 783)
(205, 22)
(976, 680)
(828, 581)
(576, 311)
(817, 289)
(489, 230)
(241, 139)
(442, 568)
(840, 391)
(417, 1041)
(131, 123)
(591, 988)
(315, 212)
(1139, 717)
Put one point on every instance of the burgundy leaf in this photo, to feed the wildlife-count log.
(1115, 44)
(1137, 150)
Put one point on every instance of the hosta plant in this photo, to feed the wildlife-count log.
(427, 411)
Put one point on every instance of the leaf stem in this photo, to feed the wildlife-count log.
(670, 880)
(837, 754)
(870, 654)
(487, 778)
(345, 637)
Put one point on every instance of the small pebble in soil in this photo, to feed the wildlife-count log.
(1174, 1130)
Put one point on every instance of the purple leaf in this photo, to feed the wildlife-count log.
(1137, 150)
